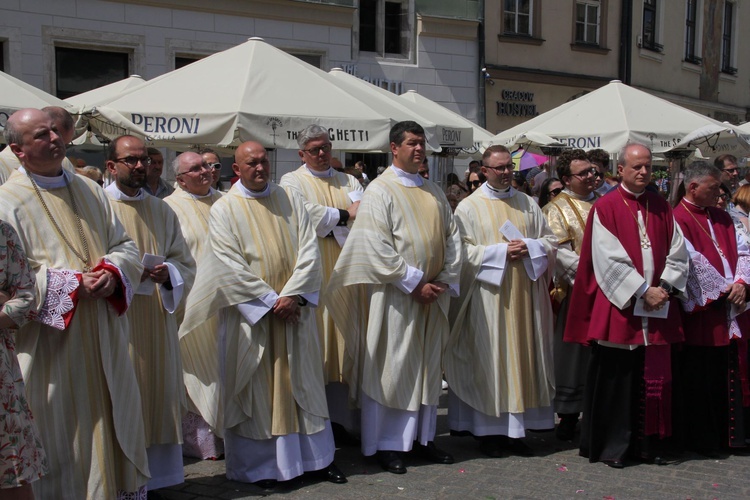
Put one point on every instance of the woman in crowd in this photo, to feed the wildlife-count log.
(22, 458)
(474, 180)
(550, 188)
(455, 187)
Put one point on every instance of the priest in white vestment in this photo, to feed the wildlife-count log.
(192, 202)
(331, 199)
(9, 162)
(262, 277)
(498, 360)
(389, 296)
(167, 276)
(80, 381)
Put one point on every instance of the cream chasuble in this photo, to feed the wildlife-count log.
(154, 345)
(567, 215)
(272, 382)
(499, 356)
(80, 382)
(193, 212)
(394, 343)
(319, 194)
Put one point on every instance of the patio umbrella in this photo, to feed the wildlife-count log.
(15, 95)
(265, 95)
(610, 117)
(524, 160)
(107, 93)
(716, 139)
(440, 131)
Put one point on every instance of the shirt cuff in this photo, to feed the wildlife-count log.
(328, 222)
(492, 269)
(255, 309)
(170, 298)
(641, 290)
(408, 283)
(537, 262)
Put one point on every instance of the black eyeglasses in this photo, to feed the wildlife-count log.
(724, 196)
(215, 166)
(502, 168)
(475, 183)
(586, 173)
(730, 170)
(316, 151)
(555, 192)
(132, 161)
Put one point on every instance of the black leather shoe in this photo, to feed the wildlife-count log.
(490, 446)
(332, 474)
(566, 429)
(615, 464)
(390, 461)
(519, 448)
(432, 453)
(266, 484)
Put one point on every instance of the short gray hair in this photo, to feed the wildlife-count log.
(309, 133)
(176, 164)
(12, 134)
(699, 170)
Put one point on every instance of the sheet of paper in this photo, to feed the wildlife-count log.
(149, 261)
(735, 311)
(510, 231)
(658, 313)
(355, 196)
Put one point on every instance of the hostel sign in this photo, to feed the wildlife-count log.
(516, 103)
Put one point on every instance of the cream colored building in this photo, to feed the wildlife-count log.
(539, 55)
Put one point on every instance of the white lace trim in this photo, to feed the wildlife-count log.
(704, 283)
(141, 494)
(743, 269)
(60, 284)
(128, 287)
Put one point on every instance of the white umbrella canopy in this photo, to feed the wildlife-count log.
(15, 95)
(480, 136)
(438, 133)
(267, 95)
(716, 139)
(446, 130)
(610, 117)
(107, 93)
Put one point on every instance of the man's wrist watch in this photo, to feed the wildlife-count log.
(667, 287)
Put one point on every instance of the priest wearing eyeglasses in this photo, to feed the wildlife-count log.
(79, 378)
(331, 199)
(498, 360)
(166, 280)
(567, 215)
(192, 202)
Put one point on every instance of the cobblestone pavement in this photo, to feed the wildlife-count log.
(555, 472)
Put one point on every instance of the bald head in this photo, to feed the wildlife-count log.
(33, 137)
(63, 120)
(251, 165)
(192, 173)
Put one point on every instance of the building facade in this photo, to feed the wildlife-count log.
(66, 47)
(540, 54)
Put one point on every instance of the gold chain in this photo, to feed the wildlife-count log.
(708, 217)
(85, 258)
(645, 241)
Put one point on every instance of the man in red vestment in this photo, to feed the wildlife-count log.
(633, 261)
(713, 359)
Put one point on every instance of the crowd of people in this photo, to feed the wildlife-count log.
(143, 321)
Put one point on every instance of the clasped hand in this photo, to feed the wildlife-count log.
(97, 284)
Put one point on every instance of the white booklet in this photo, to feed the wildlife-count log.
(149, 261)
